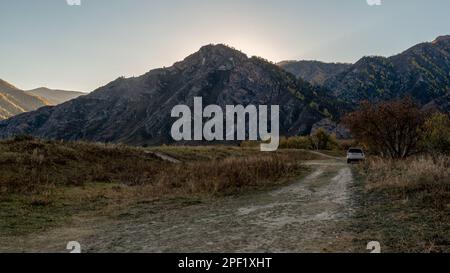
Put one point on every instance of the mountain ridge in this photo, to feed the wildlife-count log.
(137, 110)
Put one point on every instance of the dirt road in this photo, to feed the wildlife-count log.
(308, 215)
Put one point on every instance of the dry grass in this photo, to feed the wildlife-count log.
(32, 166)
(206, 153)
(45, 183)
(225, 176)
(405, 204)
(420, 177)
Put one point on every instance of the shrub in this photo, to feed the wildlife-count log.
(299, 142)
(321, 140)
(436, 134)
(391, 129)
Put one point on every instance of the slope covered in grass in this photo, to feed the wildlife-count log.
(46, 183)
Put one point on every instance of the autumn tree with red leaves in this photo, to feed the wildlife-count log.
(392, 128)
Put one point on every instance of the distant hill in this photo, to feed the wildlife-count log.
(55, 97)
(314, 72)
(14, 101)
(422, 72)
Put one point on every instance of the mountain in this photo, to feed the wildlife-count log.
(441, 103)
(137, 110)
(314, 72)
(423, 72)
(55, 97)
(14, 101)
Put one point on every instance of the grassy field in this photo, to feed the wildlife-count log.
(45, 183)
(404, 204)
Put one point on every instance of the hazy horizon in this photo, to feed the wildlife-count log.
(49, 43)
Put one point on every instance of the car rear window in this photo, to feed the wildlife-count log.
(355, 151)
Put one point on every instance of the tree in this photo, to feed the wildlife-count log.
(392, 129)
(321, 140)
(436, 134)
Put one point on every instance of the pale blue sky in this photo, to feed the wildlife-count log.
(48, 43)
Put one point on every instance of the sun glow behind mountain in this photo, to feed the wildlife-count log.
(83, 47)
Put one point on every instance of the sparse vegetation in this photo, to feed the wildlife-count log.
(418, 178)
(30, 165)
(319, 140)
(43, 183)
(299, 142)
(405, 204)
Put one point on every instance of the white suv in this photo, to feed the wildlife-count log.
(355, 154)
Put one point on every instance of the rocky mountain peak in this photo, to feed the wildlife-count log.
(443, 42)
(442, 39)
(220, 50)
(217, 57)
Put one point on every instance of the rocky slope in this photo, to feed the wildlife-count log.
(14, 101)
(137, 110)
